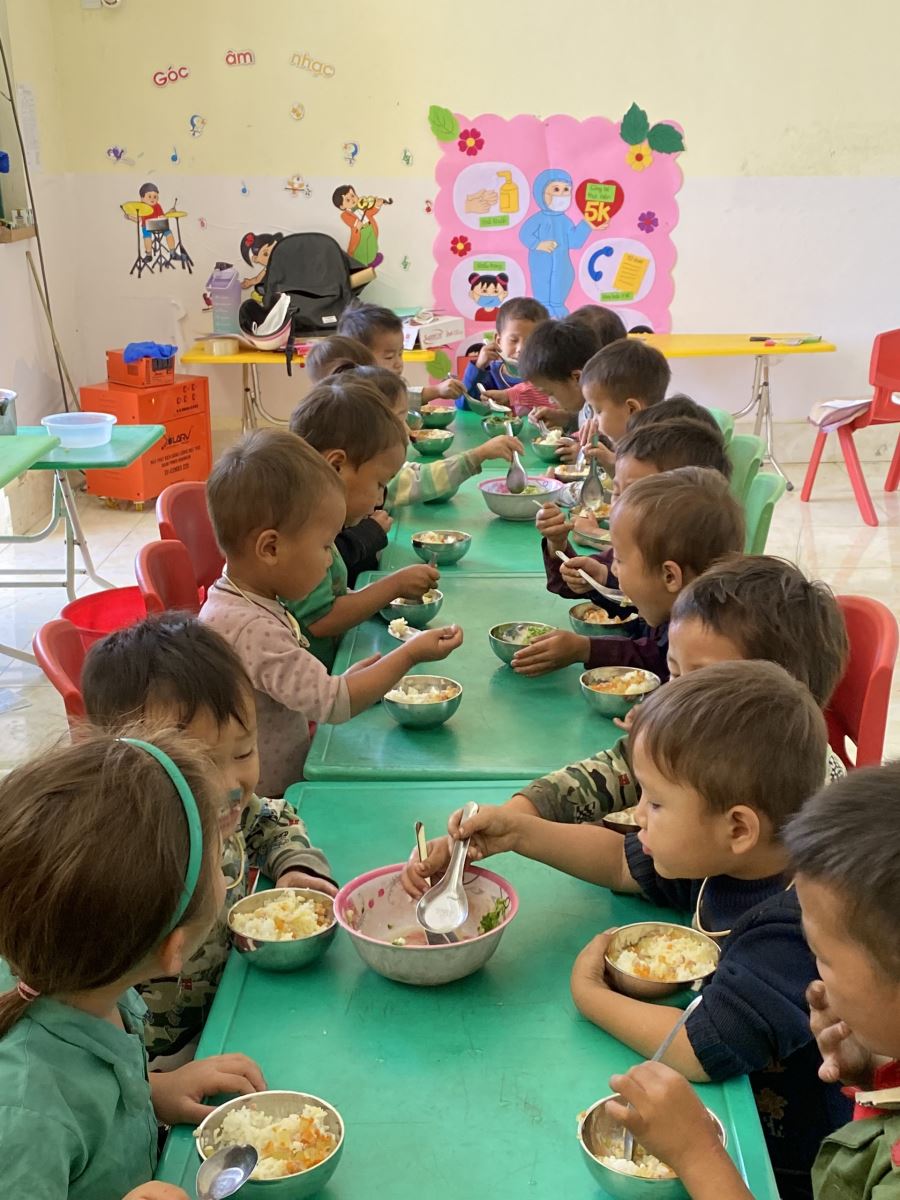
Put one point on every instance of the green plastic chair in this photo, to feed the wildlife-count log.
(725, 422)
(746, 454)
(766, 489)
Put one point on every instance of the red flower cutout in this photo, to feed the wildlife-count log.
(460, 245)
(470, 142)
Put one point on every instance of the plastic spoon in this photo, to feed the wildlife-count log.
(225, 1172)
(445, 906)
(609, 593)
(516, 479)
(492, 404)
(628, 1148)
(434, 939)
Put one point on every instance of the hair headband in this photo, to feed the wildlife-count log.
(192, 816)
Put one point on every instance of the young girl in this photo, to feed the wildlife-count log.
(256, 250)
(81, 926)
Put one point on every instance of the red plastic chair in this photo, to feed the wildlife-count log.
(59, 649)
(884, 376)
(166, 577)
(182, 516)
(859, 707)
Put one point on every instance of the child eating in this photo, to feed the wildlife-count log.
(109, 876)
(276, 506)
(178, 673)
(552, 360)
(622, 379)
(665, 530)
(335, 354)
(842, 848)
(496, 367)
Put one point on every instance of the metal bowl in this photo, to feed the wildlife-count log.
(594, 1126)
(546, 450)
(432, 447)
(281, 956)
(569, 473)
(579, 510)
(618, 822)
(523, 507)
(375, 911)
(442, 553)
(608, 703)
(651, 989)
(416, 613)
(506, 650)
(438, 418)
(496, 423)
(427, 715)
(622, 628)
(478, 406)
(278, 1105)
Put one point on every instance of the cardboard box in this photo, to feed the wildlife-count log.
(427, 331)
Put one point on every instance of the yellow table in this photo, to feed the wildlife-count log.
(250, 361)
(760, 347)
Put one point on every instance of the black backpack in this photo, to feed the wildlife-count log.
(315, 272)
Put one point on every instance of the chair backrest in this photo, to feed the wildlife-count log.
(746, 454)
(858, 709)
(60, 653)
(884, 376)
(182, 516)
(725, 422)
(766, 489)
(166, 577)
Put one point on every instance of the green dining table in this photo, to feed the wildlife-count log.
(506, 725)
(471, 1089)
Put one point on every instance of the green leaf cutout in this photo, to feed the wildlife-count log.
(444, 125)
(441, 366)
(635, 126)
(665, 139)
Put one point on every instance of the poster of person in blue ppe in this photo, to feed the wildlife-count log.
(551, 235)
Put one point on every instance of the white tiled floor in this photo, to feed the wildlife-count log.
(826, 538)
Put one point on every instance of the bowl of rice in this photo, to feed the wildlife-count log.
(282, 929)
(495, 424)
(612, 691)
(423, 701)
(441, 546)
(623, 820)
(438, 416)
(521, 506)
(299, 1139)
(653, 959)
(415, 612)
(548, 445)
(507, 639)
(380, 919)
(602, 1139)
(430, 443)
(592, 620)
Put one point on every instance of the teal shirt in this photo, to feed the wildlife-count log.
(76, 1117)
(317, 605)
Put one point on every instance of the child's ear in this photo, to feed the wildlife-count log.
(267, 545)
(745, 829)
(633, 406)
(336, 458)
(576, 376)
(171, 954)
(673, 577)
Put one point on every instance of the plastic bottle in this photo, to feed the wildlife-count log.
(509, 193)
(224, 287)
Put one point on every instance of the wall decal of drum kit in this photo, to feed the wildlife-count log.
(158, 247)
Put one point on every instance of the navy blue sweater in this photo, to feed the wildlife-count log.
(754, 1019)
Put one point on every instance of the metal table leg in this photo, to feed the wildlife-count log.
(75, 537)
(761, 400)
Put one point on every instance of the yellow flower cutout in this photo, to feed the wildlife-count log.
(639, 157)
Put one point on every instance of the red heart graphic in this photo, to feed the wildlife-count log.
(599, 212)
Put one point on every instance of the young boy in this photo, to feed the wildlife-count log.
(678, 407)
(496, 367)
(276, 506)
(716, 794)
(175, 672)
(842, 847)
(665, 530)
(335, 354)
(745, 607)
(620, 380)
(552, 360)
(381, 332)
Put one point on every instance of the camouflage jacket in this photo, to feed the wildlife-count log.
(420, 483)
(584, 792)
(271, 839)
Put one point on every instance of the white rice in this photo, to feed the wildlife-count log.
(410, 694)
(286, 1146)
(283, 920)
(670, 956)
(436, 539)
(428, 597)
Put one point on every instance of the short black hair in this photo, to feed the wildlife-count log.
(172, 660)
(605, 323)
(520, 308)
(556, 349)
(675, 407)
(148, 187)
(391, 386)
(346, 413)
(365, 321)
(339, 193)
(629, 369)
(846, 839)
(335, 354)
(671, 444)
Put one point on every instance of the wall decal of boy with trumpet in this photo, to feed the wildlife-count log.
(358, 214)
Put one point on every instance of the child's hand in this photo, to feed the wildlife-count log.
(450, 389)
(486, 355)
(551, 652)
(553, 525)
(501, 446)
(385, 520)
(434, 644)
(295, 878)
(413, 582)
(413, 878)
(178, 1095)
(586, 522)
(569, 571)
(552, 416)
(844, 1059)
(604, 455)
(627, 721)
(567, 450)
(492, 830)
(157, 1191)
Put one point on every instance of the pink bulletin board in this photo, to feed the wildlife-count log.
(570, 212)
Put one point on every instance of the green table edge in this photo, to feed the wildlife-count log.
(100, 458)
(32, 443)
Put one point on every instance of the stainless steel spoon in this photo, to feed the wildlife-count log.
(592, 490)
(225, 1172)
(445, 906)
(516, 479)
